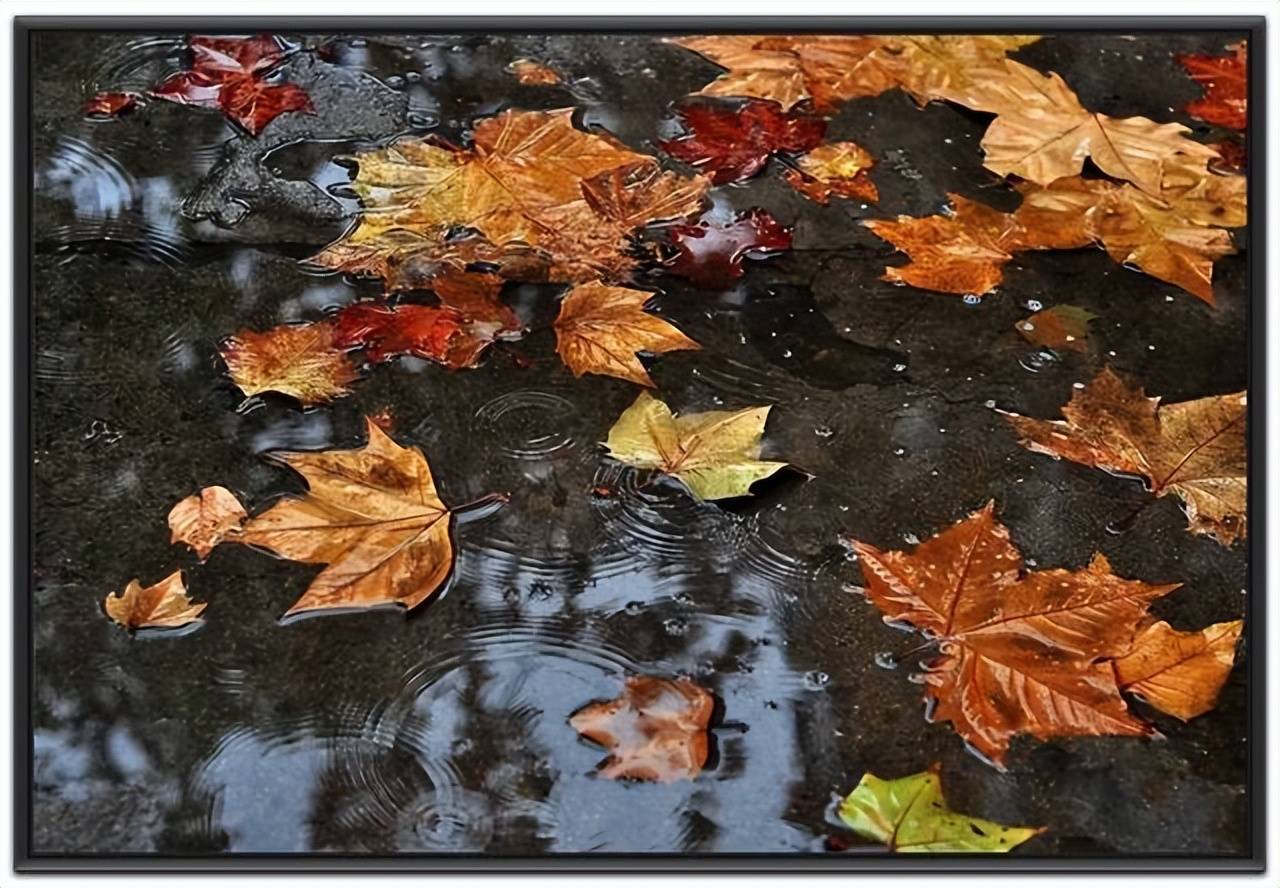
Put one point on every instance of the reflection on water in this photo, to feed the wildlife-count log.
(162, 233)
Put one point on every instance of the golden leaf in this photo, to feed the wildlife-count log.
(1180, 673)
(296, 360)
(1192, 449)
(600, 329)
(162, 606)
(531, 73)
(716, 455)
(835, 168)
(205, 519)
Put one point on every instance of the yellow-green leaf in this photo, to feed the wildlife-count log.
(910, 815)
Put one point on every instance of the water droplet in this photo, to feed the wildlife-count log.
(816, 680)
(898, 368)
(1034, 305)
(675, 626)
(786, 352)
(824, 431)
(634, 608)
(899, 451)
(972, 299)
(886, 660)
(990, 404)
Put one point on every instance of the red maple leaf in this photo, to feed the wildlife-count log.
(732, 143)
(1226, 86)
(710, 255)
(229, 73)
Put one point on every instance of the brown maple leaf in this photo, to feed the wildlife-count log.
(532, 73)
(839, 168)
(657, 729)
(1192, 449)
(299, 360)
(371, 515)
(205, 519)
(1060, 327)
(1020, 652)
(600, 329)
(162, 606)
(1180, 673)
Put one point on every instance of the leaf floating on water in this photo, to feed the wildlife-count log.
(162, 606)
(710, 255)
(205, 519)
(657, 729)
(531, 73)
(111, 104)
(839, 168)
(1226, 86)
(910, 815)
(371, 515)
(304, 361)
(1018, 653)
(1180, 673)
(716, 455)
(601, 328)
(1060, 327)
(1194, 450)
(732, 144)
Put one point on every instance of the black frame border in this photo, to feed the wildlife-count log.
(25, 861)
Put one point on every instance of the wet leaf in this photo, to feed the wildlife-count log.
(1225, 82)
(162, 606)
(601, 328)
(839, 168)
(371, 515)
(531, 73)
(1180, 673)
(710, 255)
(910, 815)
(110, 104)
(1232, 155)
(1194, 450)
(205, 519)
(657, 729)
(732, 143)
(303, 361)
(542, 199)
(228, 73)
(716, 455)
(1019, 653)
(1060, 327)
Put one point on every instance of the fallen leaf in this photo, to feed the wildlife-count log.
(228, 73)
(733, 143)
(1180, 673)
(110, 104)
(531, 73)
(716, 455)
(205, 519)
(162, 606)
(1194, 450)
(371, 515)
(601, 328)
(1019, 653)
(710, 255)
(303, 361)
(544, 201)
(910, 815)
(657, 729)
(1060, 327)
(1232, 157)
(1225, 83)
(838, 168)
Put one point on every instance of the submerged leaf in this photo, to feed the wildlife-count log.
(657, 729)
(162, 606)
(1060, 327)
(910, 815)
(733, 144)
(716, 455)
(1180, 673)
(710, 255)
(1192, 449)
(1226, 86)
(838, 168)
(304, 361)
(205, 519)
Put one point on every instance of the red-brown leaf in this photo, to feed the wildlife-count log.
(1226, 86)
(711, 255)
(110, 104)
(731, 144)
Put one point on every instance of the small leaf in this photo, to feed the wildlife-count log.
(1226, 86)
(110, 104)
(716, 454)
(1060, 327)
(303, 361)
(1180, 673)
(910, 815)
(531, 73)
(162, 606)
(733, 144)
(205, 519)
(839, 168)
(710, 255)
(601, 328)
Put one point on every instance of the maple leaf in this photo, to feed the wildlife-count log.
(227, 73)
(1225, 83)
(838, 168)
(1194, 450)
(205, 519)
(545, 202)
(600, 329)
(1019, 653)
(910, 815)
(1063, 326)
(162, 606)
(716, 455)
(531, 73)
(303, 361)
(710, 255)
(733, 144)
(1180, 673)
(657, 729)
(371, 515)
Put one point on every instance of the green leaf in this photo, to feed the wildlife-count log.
(910, 815)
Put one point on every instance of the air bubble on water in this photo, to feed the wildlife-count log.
(786, 352)
(886, 660)
(1151, 348)
(633, 608)
(844, 508)
(742, 339)
(972, 299)
(1111, 354)
(1034, 304)
(1077, 385)
(911, 539)
(683, 598)
(675, 626)
(824, 431)
(1168, 299)
(990, 404)
(816, 680)
(899, 451)
(898, 368)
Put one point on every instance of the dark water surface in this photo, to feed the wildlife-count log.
(161, 233)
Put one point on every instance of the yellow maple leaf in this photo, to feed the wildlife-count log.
(296, 360)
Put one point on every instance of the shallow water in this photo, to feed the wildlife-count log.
(163, 232)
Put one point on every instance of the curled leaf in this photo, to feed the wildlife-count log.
(1180, 673)
(162, 606)
(205, 519)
